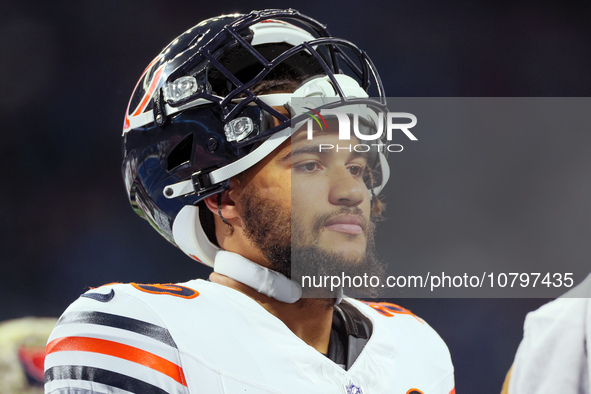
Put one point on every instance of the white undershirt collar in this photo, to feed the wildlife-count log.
(265, 281)
(262, 279)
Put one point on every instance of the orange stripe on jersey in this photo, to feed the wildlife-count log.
(453, 391)
(119, 350)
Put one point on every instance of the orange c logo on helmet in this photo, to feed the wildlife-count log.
(149, 88)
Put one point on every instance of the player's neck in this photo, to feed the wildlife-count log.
(309, 318)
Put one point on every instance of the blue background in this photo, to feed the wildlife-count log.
(68, 69)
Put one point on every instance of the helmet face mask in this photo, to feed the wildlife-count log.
(195, 119)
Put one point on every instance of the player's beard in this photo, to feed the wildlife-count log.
(279, 236)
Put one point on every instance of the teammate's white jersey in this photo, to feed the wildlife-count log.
(553, 356)
(201, 337)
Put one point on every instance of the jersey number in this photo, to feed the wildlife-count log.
(388, 309)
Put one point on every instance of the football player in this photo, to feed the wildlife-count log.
(217, 160)
(553, 356)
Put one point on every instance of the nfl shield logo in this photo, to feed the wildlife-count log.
(352, 389)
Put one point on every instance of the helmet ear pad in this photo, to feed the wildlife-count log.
(189, 235)
(194, 228)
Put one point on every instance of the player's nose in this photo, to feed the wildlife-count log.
(346, 189)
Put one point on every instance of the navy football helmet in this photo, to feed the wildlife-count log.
(198, 115)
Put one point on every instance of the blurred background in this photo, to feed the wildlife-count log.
(69, 68)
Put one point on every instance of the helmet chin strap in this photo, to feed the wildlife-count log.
(262, 279)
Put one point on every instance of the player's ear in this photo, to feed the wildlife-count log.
(222, 204)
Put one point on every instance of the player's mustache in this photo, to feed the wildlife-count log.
(321, 219)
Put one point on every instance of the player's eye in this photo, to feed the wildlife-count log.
(356, 171)
(307, 167)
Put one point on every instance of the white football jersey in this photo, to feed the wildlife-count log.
(201, 337)
(553, 356)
